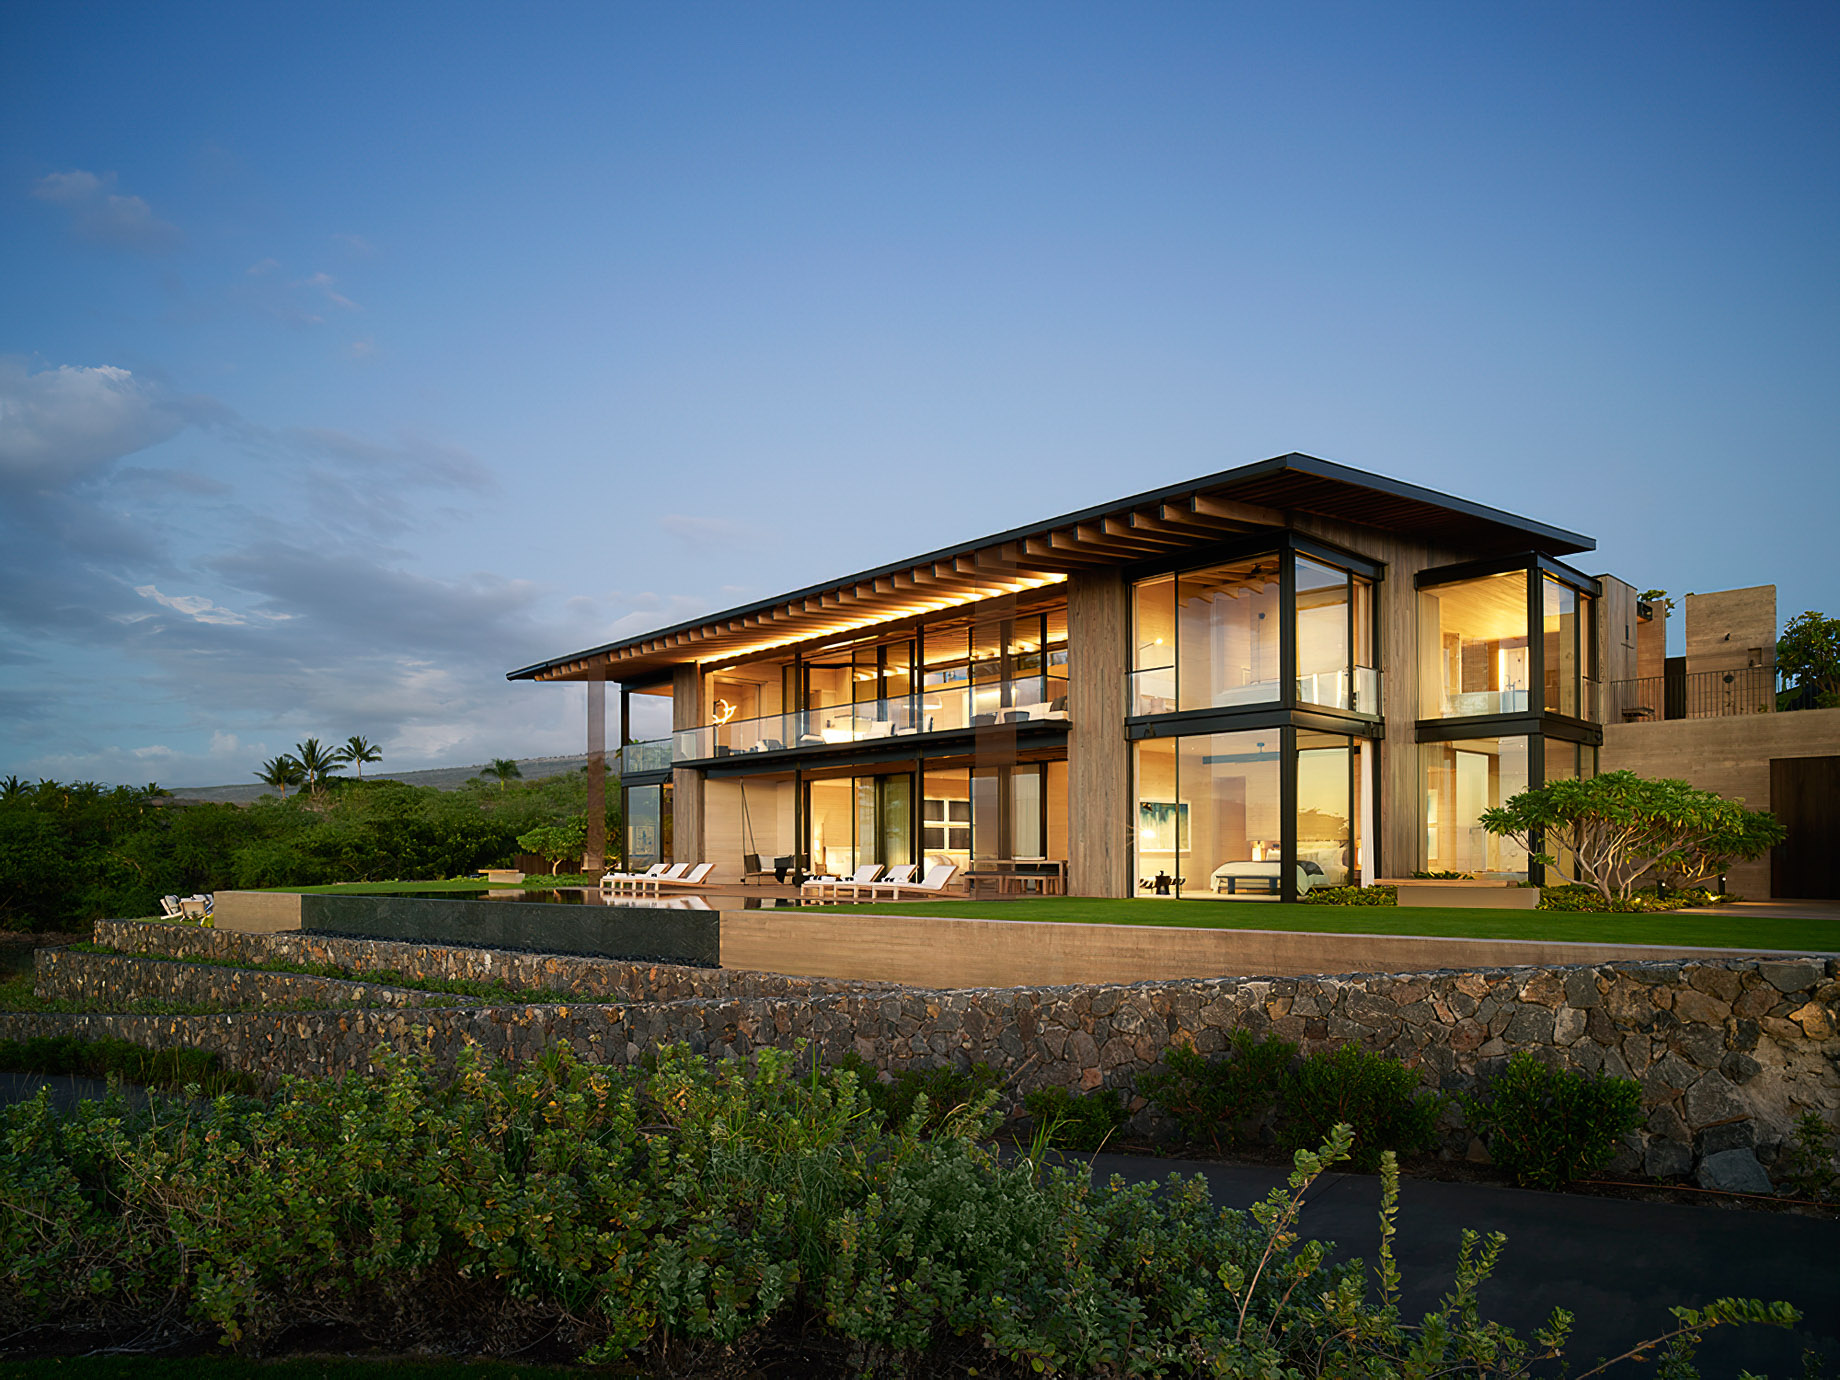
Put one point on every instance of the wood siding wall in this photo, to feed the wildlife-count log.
(687, 841)
(1098, 757)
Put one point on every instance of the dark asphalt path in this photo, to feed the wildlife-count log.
(1616, 1265)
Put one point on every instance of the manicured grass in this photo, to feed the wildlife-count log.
(1672, 928)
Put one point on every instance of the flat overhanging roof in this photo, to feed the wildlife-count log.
(1258, 497)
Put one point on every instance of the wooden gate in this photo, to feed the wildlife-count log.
(1805, 796)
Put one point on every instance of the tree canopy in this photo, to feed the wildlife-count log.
(1809, 652)
(1619, 828)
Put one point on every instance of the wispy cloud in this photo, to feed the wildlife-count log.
(104, 216)
(202, 610)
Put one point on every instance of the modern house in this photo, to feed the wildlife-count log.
(1286, 675)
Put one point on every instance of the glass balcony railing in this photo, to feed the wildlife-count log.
(936, 710)
(654, 755)
(1357, 690)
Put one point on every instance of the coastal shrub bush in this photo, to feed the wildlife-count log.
(689, 1219)
(1382, 1099)
(1548, 1126)
(945, 1090)
(1585, 898)
(1351, 896)
(1078, 1121)
(1218, 1101)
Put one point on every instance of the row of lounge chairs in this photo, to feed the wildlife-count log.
(867, 882)
(658, 877)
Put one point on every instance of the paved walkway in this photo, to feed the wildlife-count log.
(1771, 910)
(1617, 1265)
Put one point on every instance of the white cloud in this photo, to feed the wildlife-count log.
(104, 216)
(201, 609)
(62, 425)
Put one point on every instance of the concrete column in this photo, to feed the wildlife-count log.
(1098, 757)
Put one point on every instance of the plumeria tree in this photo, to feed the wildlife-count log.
(1621, 827)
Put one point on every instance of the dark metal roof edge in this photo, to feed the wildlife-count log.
(1258, 469)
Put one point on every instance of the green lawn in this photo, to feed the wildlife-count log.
(1734, 930)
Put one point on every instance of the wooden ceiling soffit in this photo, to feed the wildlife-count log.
(1095, 537)
(1249, 514)
(1123, 529)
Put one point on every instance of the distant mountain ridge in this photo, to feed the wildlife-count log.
(441, 778)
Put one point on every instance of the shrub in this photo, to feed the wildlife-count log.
(1214, 1099)
(1351, 896)
(946, 1090)
(1079, 1121)
(1379, 1097)
(1808, 1167)
(1584, 898)
(691, 1219)
(1547, 1125)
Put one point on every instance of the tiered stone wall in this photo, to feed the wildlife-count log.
(1728, 1053)
(585, 979)
(63, 975)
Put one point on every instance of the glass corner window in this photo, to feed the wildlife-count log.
(1473, 646)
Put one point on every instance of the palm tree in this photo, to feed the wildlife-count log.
(359, 750)
(12, 788)
(281, 772)
(505, 769)
(315, 761)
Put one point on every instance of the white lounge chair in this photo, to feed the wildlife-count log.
(934, 884)
(612, 880)
(171, 909)
(652, 878)
(196, 907)
(862, 876)
(897, 876)
(694, 877)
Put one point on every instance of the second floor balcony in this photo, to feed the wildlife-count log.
(938, 709)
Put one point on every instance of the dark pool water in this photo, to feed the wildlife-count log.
(589, 896)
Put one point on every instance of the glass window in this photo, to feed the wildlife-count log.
(1327, 842)
(1025, 812)
(831, 825)
(1153, 637)
(1473, 650)
(1462, 779)
(945, 816)
(1323, 650)
(1562, 647)
(1228, 634)
(645, 842)
(1208, 816)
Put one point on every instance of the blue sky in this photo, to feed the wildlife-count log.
(351, 355)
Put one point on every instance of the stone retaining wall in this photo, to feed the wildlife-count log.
(586, 979)
(1728, 1053)
(62, 975)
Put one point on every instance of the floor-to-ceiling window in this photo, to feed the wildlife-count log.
(1208, 815)
(648, 825)
(1473, 647)
(1463, 778)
